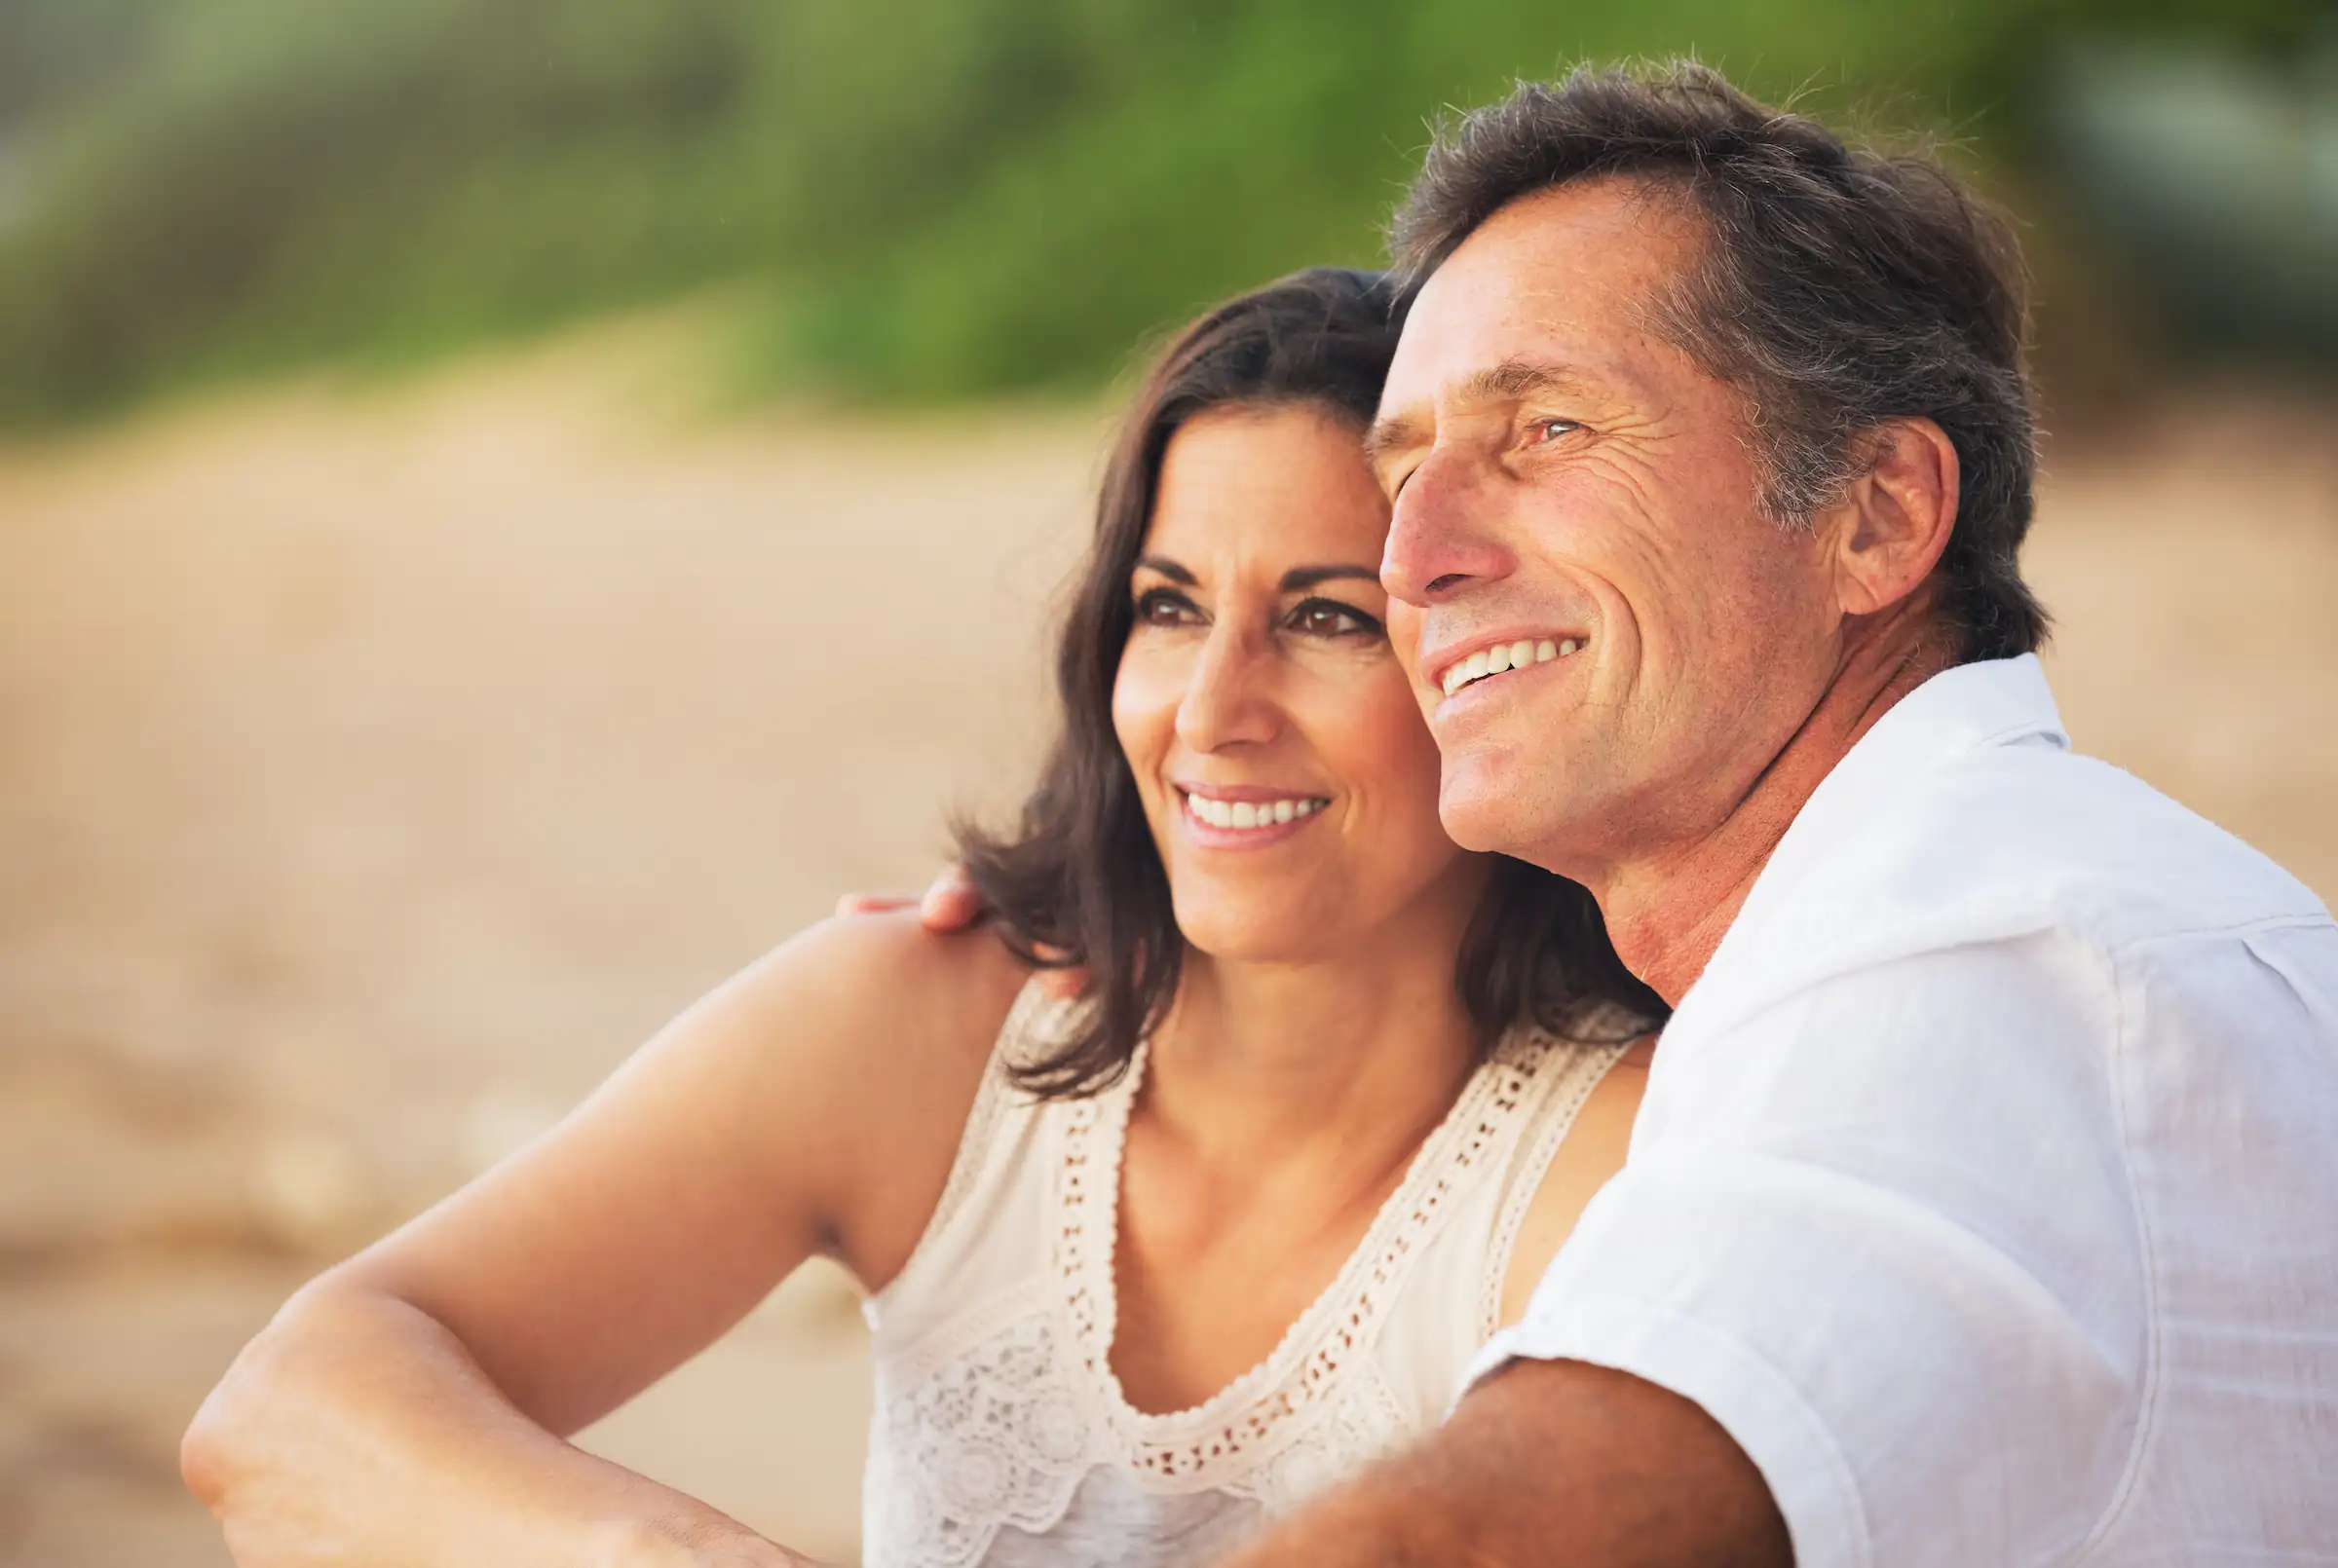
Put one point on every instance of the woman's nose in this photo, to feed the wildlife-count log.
(1442, 533)
(1226, 701)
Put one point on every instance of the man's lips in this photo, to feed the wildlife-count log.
(1463, 664)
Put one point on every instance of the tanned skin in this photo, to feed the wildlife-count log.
(1513, 1479)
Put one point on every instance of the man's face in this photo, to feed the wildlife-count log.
(1563, 479)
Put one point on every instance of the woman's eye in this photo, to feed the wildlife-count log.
(1164, 606)
(1326, 617)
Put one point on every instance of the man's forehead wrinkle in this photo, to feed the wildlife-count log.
(1551, 295)
(1664, 208)
(1621, 242)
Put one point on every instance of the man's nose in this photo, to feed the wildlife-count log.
(1226, 701)
(1440, 537)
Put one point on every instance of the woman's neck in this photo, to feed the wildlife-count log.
(1347, 1061)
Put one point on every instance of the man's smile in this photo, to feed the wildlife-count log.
(1466, 664)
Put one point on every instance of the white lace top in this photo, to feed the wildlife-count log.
(1000, 1435)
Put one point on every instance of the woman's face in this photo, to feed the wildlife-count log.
(1285, 771)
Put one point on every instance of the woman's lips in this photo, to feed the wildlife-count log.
(1243, 817)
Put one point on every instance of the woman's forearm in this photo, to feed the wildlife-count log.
(356, 1432)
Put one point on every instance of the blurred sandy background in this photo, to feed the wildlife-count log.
(373, 776)
(383, 756)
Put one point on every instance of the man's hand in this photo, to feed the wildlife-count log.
(1549, 1464)
(949, 905)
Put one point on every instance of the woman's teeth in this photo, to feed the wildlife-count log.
(1253, 813)
(1506, 657)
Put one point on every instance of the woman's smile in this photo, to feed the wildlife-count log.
(1258, 695)
(1229, 816)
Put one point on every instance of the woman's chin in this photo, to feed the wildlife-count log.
(1281, 935)
(1249, 933)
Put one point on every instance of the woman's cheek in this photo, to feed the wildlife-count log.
(1401, 740)
(1145, 698)
(1392, 748)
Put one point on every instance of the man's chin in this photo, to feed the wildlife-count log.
(1480, 813)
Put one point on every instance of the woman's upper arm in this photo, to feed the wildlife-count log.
(813, 1103)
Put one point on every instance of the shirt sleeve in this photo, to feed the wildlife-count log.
(1882, 1231)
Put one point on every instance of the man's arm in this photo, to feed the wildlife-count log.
(1879, 1241)
(1549, 1463)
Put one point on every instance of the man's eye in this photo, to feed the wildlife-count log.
(1551, 430)
(1328, 617)
(1165, 607)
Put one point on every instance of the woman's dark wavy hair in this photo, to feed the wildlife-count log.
(1079, 883)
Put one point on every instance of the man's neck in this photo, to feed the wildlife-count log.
(1667, 913)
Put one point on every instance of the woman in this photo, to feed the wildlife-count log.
(1145, 1266)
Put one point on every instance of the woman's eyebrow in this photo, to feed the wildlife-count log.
(1168, 569)
(1299, 578)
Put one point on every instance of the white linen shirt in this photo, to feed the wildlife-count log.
(1986, 1185)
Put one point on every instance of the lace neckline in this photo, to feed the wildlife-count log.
(1252, 1413)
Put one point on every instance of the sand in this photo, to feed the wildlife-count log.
(378, 767)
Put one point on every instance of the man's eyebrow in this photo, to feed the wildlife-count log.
(1168, 569)
(1516, 377)
(1505, 382)
(1391, 433)
(1299, 578)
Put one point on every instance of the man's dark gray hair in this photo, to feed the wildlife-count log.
(1840, 290)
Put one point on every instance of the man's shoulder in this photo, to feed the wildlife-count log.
(2089, 842)
(2004, 842)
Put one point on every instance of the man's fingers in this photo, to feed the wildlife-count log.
(874, 903)
(951, 902)
(952, 905)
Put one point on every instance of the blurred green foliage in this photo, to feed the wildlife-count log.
(936, 198)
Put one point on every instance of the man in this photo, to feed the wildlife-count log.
(1983, 1206)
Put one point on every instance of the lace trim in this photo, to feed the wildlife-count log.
(1364, 1423)
(999, 1435)
(1253, 1416)
(1582, 1075)
(993, 1436)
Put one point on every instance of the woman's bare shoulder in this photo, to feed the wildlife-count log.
(880, 992)
(883, 1031)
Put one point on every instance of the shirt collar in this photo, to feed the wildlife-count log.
(1997, 702)
(1968, 708)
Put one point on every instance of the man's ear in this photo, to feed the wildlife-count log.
(1894, 521)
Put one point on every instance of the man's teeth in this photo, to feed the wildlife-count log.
(1506, 657)
(1253, 813)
